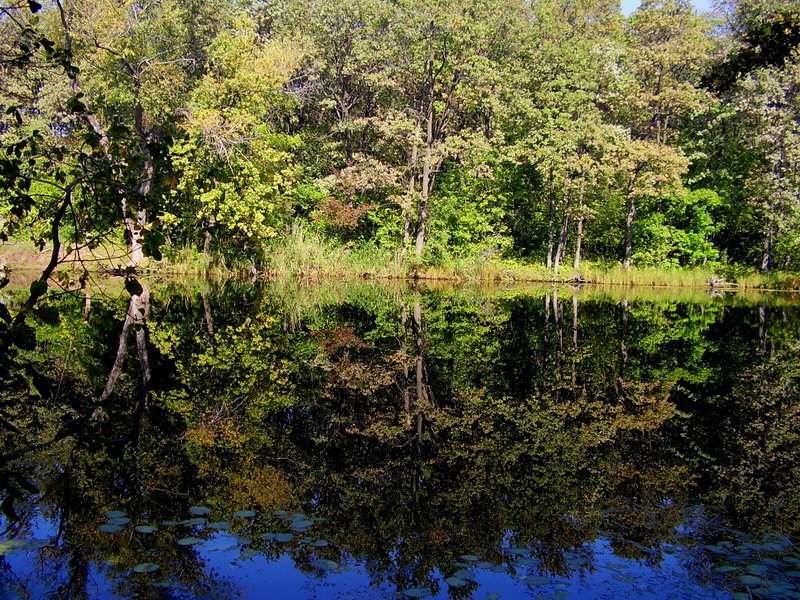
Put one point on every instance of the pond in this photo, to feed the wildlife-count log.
(376, 440)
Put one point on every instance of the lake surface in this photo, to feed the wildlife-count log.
(365, 440)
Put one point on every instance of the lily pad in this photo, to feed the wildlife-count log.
(484, 564)
(189, 541)
(193, 522)
(417, 592)
(465, 574)
(280, 513)
(518, 551)
(115, 514)
(456, 582)
(469, 557)
(537, 580)
(324, 564)
(245, 513)
(107, 528)
(219, 525)
(726, 569)
(146, 567)
(298, 517)
(119, 521)
(301, 525)
(320, 543)
(283, 537)
(199, 510)
(492, 596)
(170, 523)
(146, 529)
(750, 580)
(268, 536)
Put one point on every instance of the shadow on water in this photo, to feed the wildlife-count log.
(215, 440)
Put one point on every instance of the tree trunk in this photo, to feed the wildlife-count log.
(578, 240)
(629, 231)
(404, 346)
(766, 258)
(422, 214)
(138, 312)
(551, 226)
(410, 192)
(562, 242)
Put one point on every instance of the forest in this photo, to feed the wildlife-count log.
(316, 134)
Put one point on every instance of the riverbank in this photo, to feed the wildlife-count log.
(312, 261)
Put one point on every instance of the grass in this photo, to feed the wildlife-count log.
(305, 255)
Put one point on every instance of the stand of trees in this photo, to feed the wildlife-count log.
(542, 131)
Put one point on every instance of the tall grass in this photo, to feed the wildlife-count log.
(306, 254)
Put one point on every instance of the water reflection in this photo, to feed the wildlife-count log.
(453, 442)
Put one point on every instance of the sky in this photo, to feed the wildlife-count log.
(628, 6)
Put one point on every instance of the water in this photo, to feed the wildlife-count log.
(395, 441)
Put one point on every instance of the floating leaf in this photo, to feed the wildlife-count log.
(283, 537)
(417, 592)
(469, 557)
(219, 525)
(269, 536)
(301, 525)
(484, 564)
(146, 529)
(456, 582)
(170, 523)
(280, 513)
(188, 541)
(465, 574)
(248, 554)
(199, 510)
(492, 596)
(245, 513)
(119, 521)
(750, 580)
(320, 543)
(623, 577)
(518, 551)
(146, 567)
(115, 514)
(537, 580)
(726, 569)
(193, 522)
(324, 564)
(110, 528)
(243, 541)
(525, 562)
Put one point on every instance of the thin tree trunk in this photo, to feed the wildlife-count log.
(209, 318)
(578, 240)
(766, 258)
(623, 340)
(551, 225)
(562, 241)
(420, 368)
(404, 346)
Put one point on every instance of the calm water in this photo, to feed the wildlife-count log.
(372, 441)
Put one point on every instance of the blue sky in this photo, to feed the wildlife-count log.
(628, 6)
